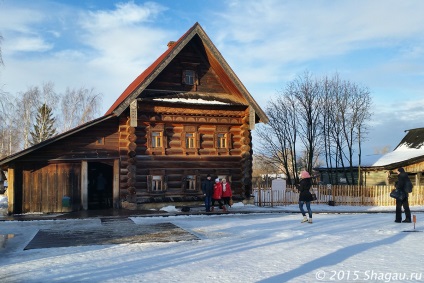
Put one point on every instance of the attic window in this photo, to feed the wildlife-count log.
(100, 140)
(189, 77)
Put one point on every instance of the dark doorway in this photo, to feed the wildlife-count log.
(100, 185)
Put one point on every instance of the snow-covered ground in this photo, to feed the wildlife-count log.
(255, 247)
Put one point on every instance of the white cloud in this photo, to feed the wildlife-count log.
(19, 19)
(126, 14)
(282, 31)
(27, 44)
(122, 40)
(267, 43)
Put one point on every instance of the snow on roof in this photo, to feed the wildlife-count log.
(190, 100)
(401, 153)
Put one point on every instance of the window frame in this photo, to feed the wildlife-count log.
(190, 183)
(156, 183)
(190, 142)
(221, 139)
(189, 77)
(156, 139)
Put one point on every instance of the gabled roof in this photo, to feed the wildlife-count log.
(408, 151)
(215, 58)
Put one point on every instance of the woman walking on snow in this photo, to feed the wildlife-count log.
(305, 195)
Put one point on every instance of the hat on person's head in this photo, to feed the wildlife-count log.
(217, 180)
(207, 176)
(401, 170)
(304, 175)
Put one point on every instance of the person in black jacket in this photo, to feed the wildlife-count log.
(207, 189)
(305, 196)
(403, 179)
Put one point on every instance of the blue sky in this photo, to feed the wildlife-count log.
(105, 45)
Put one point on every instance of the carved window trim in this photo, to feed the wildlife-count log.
(157, 183)
(156, 138)
(222, 136)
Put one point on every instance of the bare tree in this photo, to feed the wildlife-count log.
(308, 94)
(18, 113)
(78, 107)
(347, 110)
(1, 57)
(28, 104)
(279, 136)
(8, 129)
(314, 119)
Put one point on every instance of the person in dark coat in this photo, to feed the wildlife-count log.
(403, 179)
(305, 196)
(207, 189)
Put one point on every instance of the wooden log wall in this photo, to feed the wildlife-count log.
(175, 162)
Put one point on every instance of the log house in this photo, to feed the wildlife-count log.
(185, 116)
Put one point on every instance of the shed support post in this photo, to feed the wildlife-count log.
(11, 191)
(116, 203)
(84, 184)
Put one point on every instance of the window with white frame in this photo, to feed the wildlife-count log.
(190, 140)
(157, 183)
(222, 140)
(157, 139)
(190, 182)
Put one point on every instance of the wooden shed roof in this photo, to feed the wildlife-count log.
(217, 62)
(413, 139)
(16, 155)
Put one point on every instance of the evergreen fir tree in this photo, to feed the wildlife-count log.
(44, 126)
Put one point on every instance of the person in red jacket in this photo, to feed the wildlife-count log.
(226, 194)
(217, 194)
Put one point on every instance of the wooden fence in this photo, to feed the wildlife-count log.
(340, 195)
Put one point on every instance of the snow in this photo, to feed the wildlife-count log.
(401, 153)
(190, 100)
(256, 244)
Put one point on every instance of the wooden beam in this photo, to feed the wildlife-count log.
(11, 190)
(84, 184)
